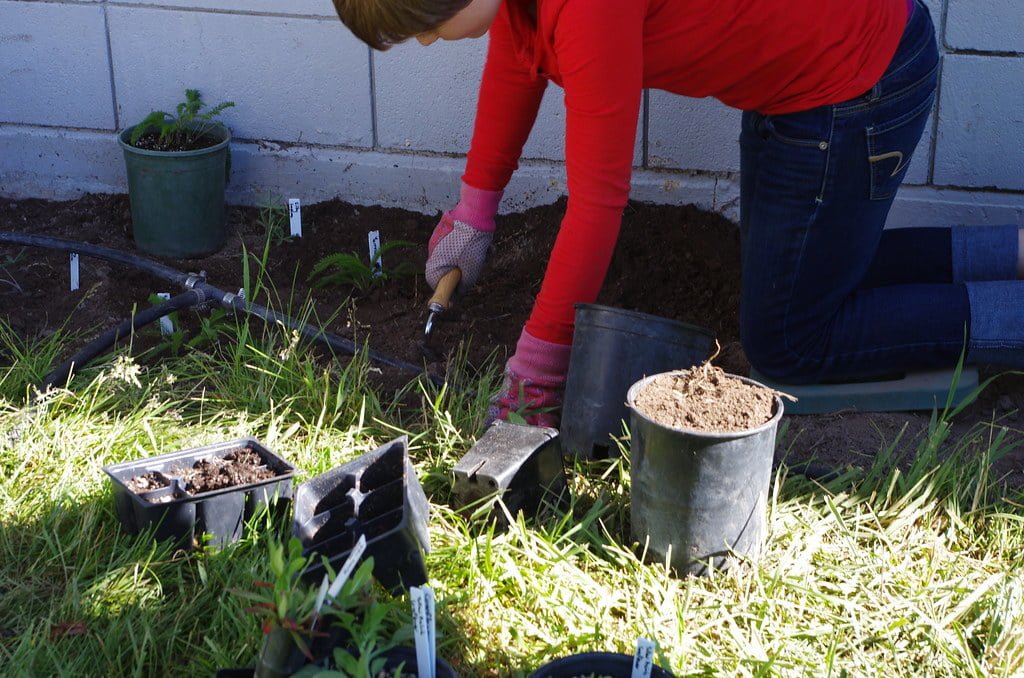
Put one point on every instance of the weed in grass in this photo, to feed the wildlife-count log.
(272, 217)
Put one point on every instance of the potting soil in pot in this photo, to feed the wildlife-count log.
(241, 466)
(705, 398)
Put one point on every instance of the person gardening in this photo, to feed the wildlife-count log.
(835, 96)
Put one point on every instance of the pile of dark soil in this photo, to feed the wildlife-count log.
(675, 262)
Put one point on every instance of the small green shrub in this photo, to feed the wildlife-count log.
(348, 268)
(184, 129)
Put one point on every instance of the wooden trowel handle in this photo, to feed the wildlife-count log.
(445, 289)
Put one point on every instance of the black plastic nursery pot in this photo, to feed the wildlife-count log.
(522, 465)
(377, 496)
(699, 498)
(611, 349)
(182, 517)
(594, 664)
(405, 657)
(177, 197)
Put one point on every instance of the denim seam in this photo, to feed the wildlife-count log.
(846, 110)
(828, 159)
(905, 118)
(789, 141)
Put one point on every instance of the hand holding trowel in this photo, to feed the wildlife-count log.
(439, 303)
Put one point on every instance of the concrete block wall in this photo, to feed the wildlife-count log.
(319, 115)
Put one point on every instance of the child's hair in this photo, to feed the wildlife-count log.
(383, 23)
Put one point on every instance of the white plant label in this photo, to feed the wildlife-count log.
(346, 569)
(373, 239)
(320, 596)
(424, 629)
(74, 271)
(643, 659)
(295, 217)
(166, 326)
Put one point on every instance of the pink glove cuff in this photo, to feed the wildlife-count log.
(477, 207)
(539, 360)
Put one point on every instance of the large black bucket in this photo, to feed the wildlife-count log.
(611, 349)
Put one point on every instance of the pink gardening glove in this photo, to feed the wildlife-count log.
(462, 237)
(534, 382)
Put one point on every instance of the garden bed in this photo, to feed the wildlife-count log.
(675, 262)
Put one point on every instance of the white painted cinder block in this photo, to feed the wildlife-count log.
(981, 123)
(54, 68)
(321, 8)
(925, 206)
(56, 164)
(920, 164)
(986, 25)
(292, 80)
(427, 98)
(696, 134)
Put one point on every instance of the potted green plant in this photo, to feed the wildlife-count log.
(178, 164)
(288, 608)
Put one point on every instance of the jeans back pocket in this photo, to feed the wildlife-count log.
(891, 147)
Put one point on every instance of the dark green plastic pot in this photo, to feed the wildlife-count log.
(697, 498)
(177, 198)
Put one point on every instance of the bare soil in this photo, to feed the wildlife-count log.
(675, 262)
(241, 466)
(706, 399)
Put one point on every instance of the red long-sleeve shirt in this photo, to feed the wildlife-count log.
(773, 56)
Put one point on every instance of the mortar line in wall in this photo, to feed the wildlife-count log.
(941, 39)
(373, 101)
(933, 151)
(645, 128)
(110, 66)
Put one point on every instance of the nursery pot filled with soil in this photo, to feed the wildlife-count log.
(594, 664)
(701, 448)
(177, 197)
(611, 349)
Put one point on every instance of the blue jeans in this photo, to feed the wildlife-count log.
(825, 297)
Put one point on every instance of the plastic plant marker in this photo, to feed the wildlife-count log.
(422, 599)
(346, 569)
(320, 596)
(643, 659)
(74, 271)
(166, 324)
(373, 240)
(295, 217)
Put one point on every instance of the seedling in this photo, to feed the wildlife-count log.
(273, 217)
(182, 130)
(348, 268)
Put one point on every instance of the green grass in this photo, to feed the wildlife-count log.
(877, 572)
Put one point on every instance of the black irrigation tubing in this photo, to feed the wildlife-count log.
(60, 376)
(197, 283)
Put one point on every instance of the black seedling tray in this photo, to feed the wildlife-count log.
(177, 516)
(377, 496)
